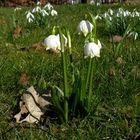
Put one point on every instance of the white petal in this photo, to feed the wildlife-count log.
(48, 6)
(44, 13)
(65, 39)
(53, 13)
(85, 27)
(99, 44)
(52, 42)
(38, 3)
(91, 49)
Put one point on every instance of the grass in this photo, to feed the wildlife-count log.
(116, 84)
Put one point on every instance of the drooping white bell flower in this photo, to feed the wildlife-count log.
(38, 3)
(85, 27)
(133, 34)
(65, 39)
(53, 13)
(17, 9)
(110, 11)
(44, 13)
(98, 17)
(29, 16)
(91, 49)
(48, 6)
(36, 9)
(53, 42)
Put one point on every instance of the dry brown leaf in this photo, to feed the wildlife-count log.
(120, 60)
(117, 38)
(24, 79)
(2, 21)
(112, 71)
(53, 51)
(43, 2)
(37, 46)
(17, 31)
(33, 105)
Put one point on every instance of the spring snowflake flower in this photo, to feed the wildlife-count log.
(98, 17)
(36, 9)
(85, 27)
(134, 35)
(98, 3)
(44, 13)
(29, 16)
(91, 49)
(110, 12)
(53, 42)
(65, 39)
(48, 6)
(17, 9)
(53, 13)
(38, 3)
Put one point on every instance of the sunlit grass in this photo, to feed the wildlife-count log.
(116, 83)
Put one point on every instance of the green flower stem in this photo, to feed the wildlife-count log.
(66, 92)
(65, 87)
(70, 54)
(88, 74)
(90, 85)
(55, 28)
(94, 24)
(82, 83)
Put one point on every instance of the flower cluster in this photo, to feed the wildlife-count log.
(118, 20)
(92, 45)
(38, 14)
(110, 14)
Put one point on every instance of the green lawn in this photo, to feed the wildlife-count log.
(116, 84)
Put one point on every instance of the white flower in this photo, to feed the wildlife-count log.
(110, 11)
(36, 9)
(53, 13)
(106, 15)
(53, 42)
(137, 14)
(91, 49)
(98, 3)
(38, 3)
(98, 17)
(120, 10)
(29, 16)
(48, 6)
(134, 35)
(30, 20)
(85, 27)
(17, 9)
(127, 13)
(44, 13)
(117, 15)
(65, 39)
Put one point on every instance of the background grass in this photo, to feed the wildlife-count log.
(117, 85)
